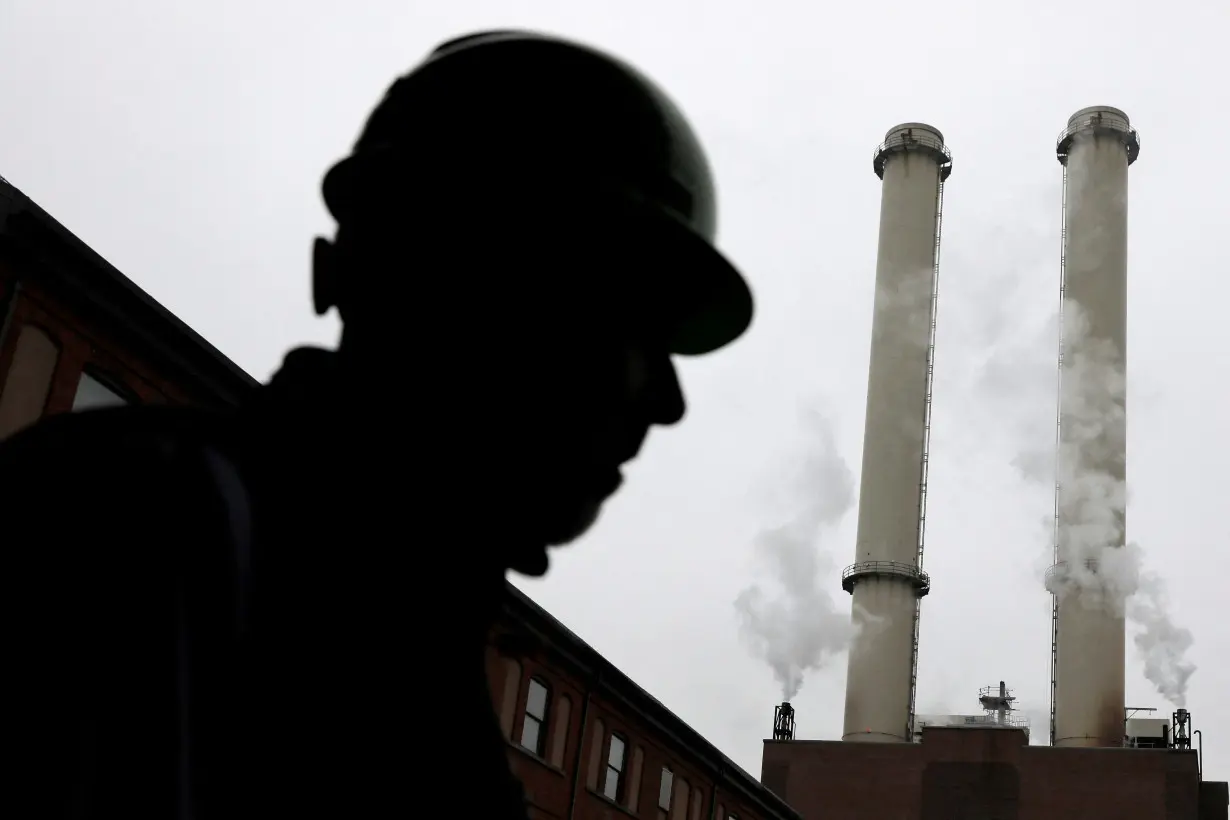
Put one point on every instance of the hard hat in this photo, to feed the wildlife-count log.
(575, 127)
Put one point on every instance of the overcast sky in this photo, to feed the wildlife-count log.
(185, 143)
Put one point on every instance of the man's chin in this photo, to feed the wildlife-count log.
(531, 561)
(567, 529)
(534, 561)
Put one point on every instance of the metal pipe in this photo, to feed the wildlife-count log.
(1199, 753)
(713, 794)
(576, 763)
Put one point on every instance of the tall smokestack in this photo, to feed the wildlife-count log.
(887, 580)
(1087, 624)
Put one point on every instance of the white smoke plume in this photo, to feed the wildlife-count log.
(792, 621)
(1161, 643)
(1096, 569)
(1089, 459)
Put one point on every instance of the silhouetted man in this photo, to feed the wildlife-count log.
(284, 613)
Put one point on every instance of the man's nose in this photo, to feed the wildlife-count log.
(667, 394)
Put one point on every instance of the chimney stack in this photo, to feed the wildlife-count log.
(887, 580)
(1087, 656)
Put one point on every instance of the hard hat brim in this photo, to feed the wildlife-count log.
(708, 302)
(712, 304)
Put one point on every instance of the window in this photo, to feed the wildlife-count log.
(27, 384)
(682, 794)
(561, 710)
(534, 727)
(632, 791)
(595, 767)
(512, 688)
(615, 768)
(666, 789)
(93, 392)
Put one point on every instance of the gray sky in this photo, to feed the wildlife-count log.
(185, 142)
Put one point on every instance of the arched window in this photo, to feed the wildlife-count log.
(698, 803)
(28, 381)
(559, 743)
(633, 792)
(613, 786)
(595, 755)
(679, 811)
(534, 723)
(666, 789)
(512, 685)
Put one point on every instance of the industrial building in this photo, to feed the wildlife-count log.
(588, 743)
(76, 333)
(1103, 760)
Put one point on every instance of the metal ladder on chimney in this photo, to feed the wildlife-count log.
(1063, 256)
(926, 449)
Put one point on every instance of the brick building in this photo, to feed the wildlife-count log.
(988, 772)
(76, 333)
(590, 744)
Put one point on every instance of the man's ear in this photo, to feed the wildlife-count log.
(324, 275)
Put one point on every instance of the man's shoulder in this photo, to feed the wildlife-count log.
(128, 433)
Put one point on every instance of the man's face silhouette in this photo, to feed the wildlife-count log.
(589, 375)
(599, 394)
(552, 364)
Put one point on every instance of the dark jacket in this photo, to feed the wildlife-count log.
(200, 624)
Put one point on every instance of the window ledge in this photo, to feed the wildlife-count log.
(539, 760)
(599, 795)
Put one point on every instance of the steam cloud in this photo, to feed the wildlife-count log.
(1092, 505)
(1162, 644)
(794, 624)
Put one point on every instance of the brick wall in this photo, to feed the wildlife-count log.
(582, 718)
(983, 772)
(81, 344)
